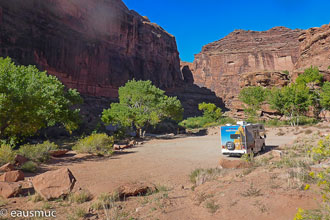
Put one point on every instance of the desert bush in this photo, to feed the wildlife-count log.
(275, 123)
(29, 166)
(212, 206)
(7, 154)
(35, 198)
(205, 122)
(199, 176)
(38, 152)
(322, 150)
(80, 197)
(100, 144)
(252, 192)
(319, 153)
(195, 122)
(105, 201)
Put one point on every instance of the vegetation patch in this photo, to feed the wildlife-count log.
(105, 201)
(7, 154)
(80, 197)
(212, 206)
(33, 100)
(100, 144)
(38, 152)
(252, 192)
(141, 105)
(29, 166)
(200, 176)
(212, 116)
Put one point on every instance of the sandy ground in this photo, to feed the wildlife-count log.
(166, 162)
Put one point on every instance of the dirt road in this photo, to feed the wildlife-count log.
(166, 162)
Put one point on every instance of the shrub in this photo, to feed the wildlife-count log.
(100, 144)
(7, 154)
(275, 123)
(322, 150)
(36, 198)
(195, 122)
(199, 176)
(80, 197)
(105, 201)
(212, 206)
(204, 122)
(38, 152)
(29, 166)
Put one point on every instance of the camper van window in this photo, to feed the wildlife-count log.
(234, 136)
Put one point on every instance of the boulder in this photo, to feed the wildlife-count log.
(135, 189)
(120, 146)
(54, 184)
(132, 143)
(58, 153)
(233, 164)
(20, 160)
(12, 176)
(7, 167)
(8, 190)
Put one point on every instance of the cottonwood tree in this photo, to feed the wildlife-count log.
(141, 105)
(253, 97)
(325, 96)
(292, 101)
(31, 100)
(210, 111)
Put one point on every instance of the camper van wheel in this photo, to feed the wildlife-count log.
(263, 148)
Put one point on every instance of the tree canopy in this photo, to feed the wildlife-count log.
(325, 96)
(210, 110)
(292, 101)
(253, 97)
(31, 100)
(142, 104)
(310, 75)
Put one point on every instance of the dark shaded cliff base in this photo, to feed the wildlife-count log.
(93, 46)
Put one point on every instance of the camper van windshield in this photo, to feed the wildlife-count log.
(234, 136)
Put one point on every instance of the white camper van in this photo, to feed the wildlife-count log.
(242, 138)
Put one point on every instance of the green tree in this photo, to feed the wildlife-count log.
(210, 111)
(31, 100)
(311, 75)
(325, 96)
(292, 101)
(253, 97)
(142, 104)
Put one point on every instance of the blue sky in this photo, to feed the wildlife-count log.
(195, 23)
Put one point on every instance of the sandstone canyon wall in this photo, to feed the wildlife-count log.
(246, 58)
(315, 50)
(94, 46)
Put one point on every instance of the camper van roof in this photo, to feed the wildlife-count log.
(242, 123)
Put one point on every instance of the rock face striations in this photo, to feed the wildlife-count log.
(91, 45)
(95, 46)
(315, 50)
(246, 58)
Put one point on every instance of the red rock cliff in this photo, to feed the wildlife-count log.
(92, 45)
(246, 58)
(315, 50)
